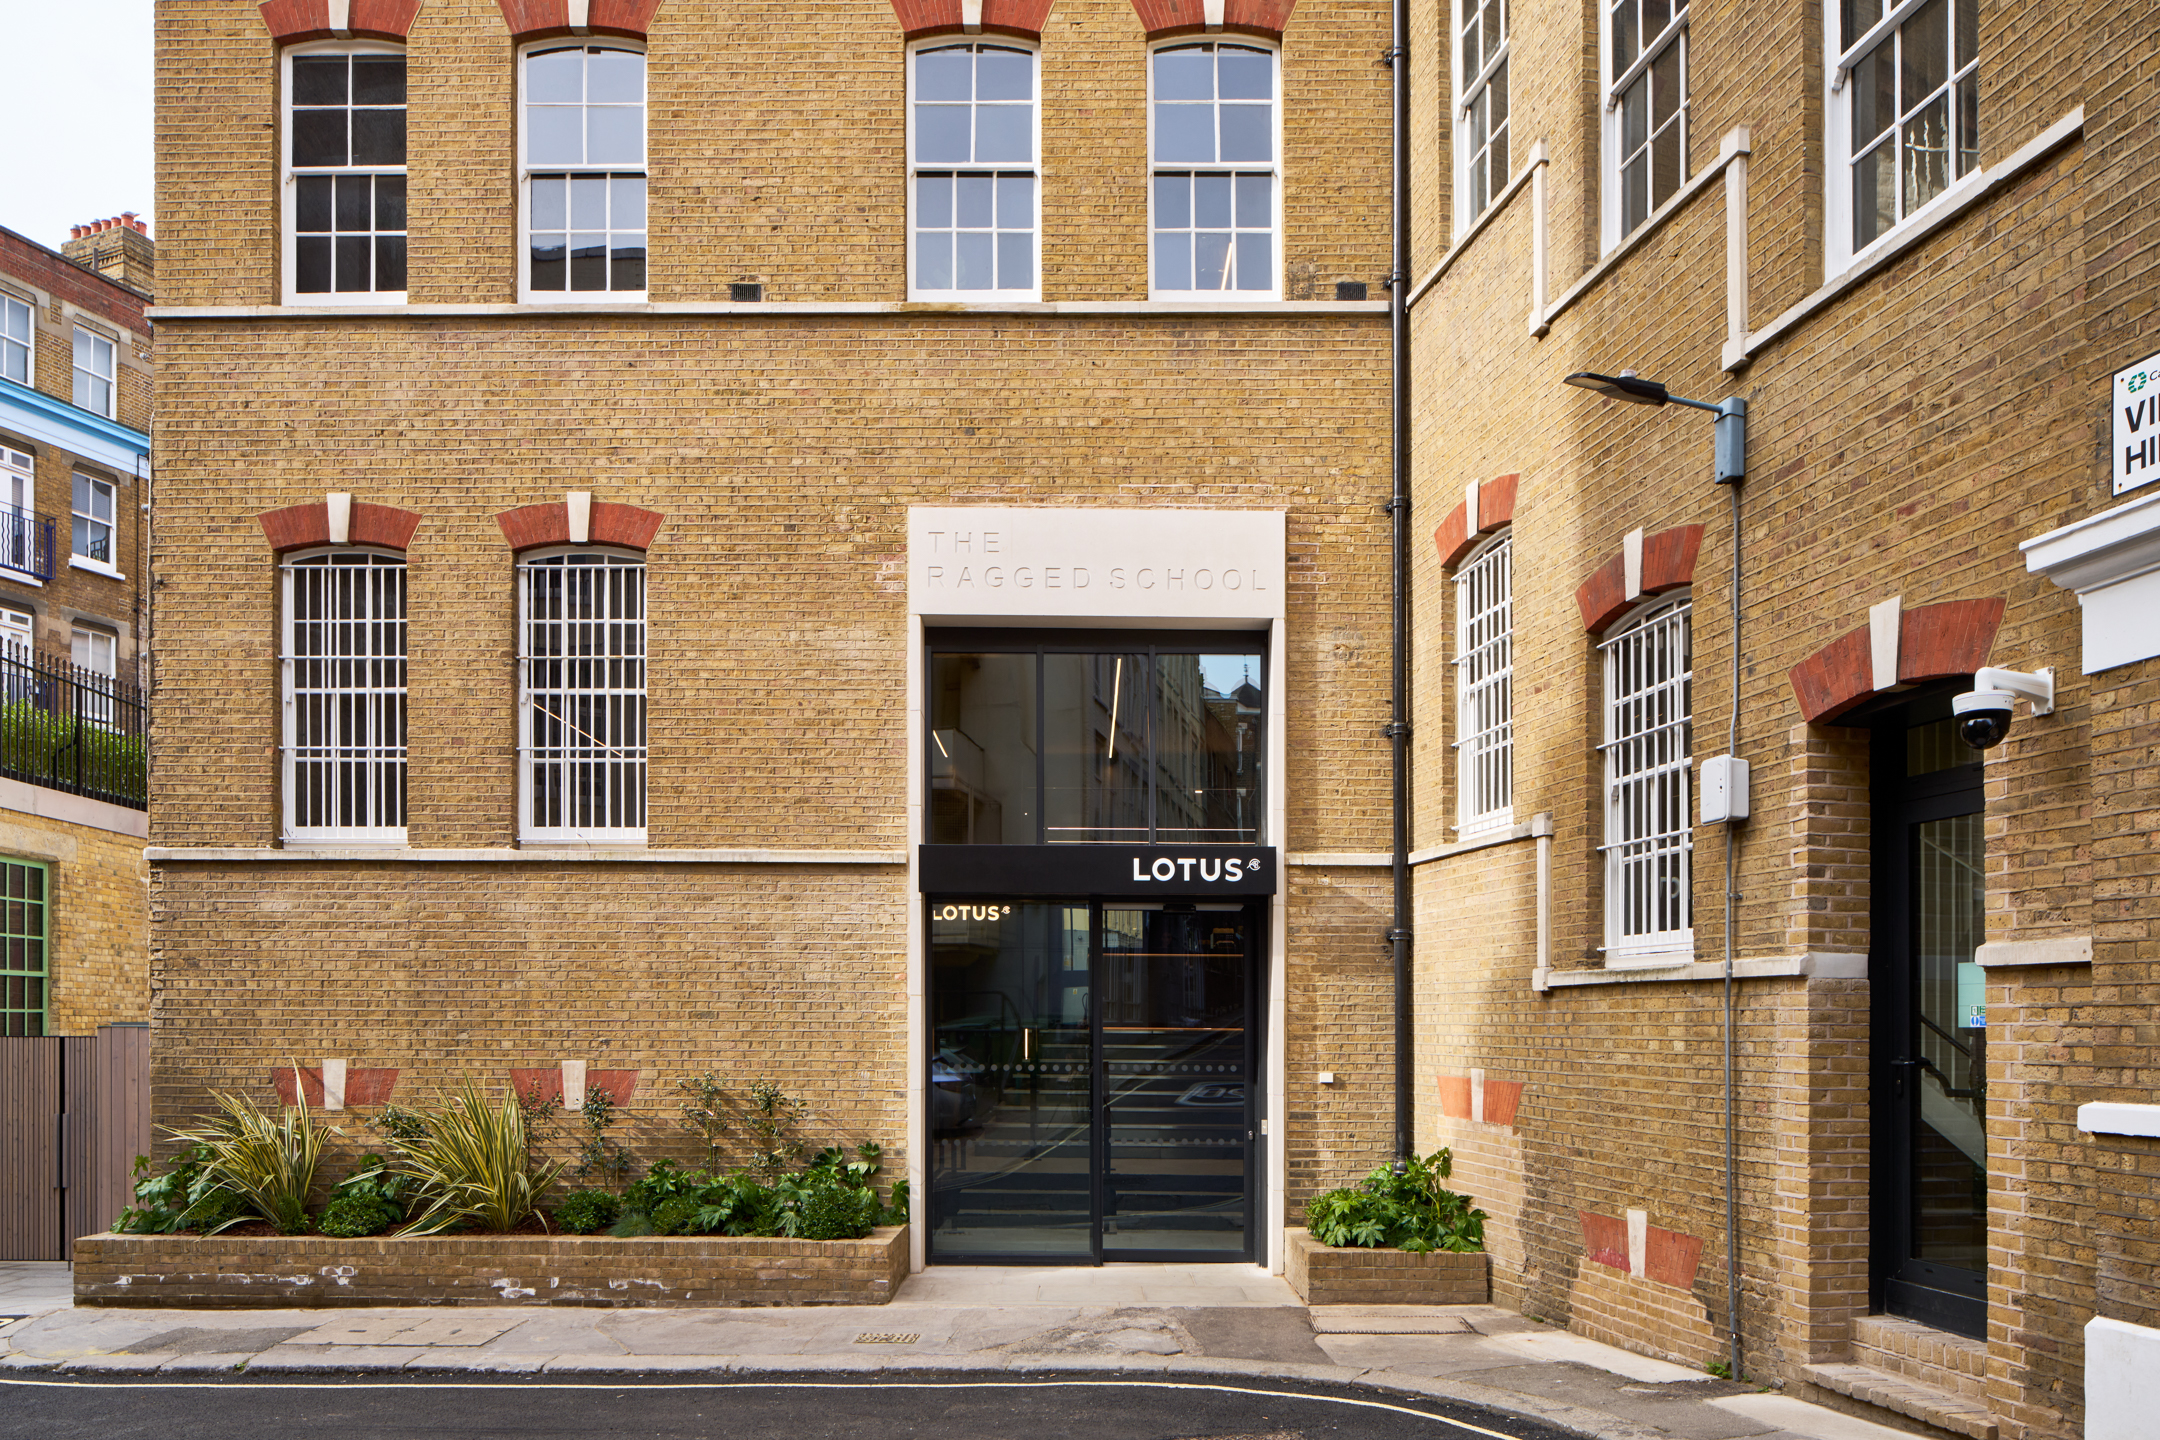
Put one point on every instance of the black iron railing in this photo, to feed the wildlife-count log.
(72, 729)
(26, 542)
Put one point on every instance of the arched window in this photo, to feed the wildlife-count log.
(582, 138)
(1213, 143)
(344, 669)
(345, 217)
(1649, 818)
(972, 146)
(581, 709)
(1485, 686)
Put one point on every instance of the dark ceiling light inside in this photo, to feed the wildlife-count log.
(1627, 385)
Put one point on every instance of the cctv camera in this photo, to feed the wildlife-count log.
(1983, 712)
(1983, 717)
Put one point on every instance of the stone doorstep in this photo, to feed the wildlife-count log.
(1929, 1404)
(1937, 1358)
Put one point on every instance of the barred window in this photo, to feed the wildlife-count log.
(1646, 110)
(1485, 687)
(345, 153)
(1481, 89)
(345, 697)
(23, 922)
(1649, 830)
(581, 660)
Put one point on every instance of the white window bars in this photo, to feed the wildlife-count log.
(1485, 687)
(1649, 829)
(581, 725)
(345, 697)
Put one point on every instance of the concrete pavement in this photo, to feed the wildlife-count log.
(1169, 1322)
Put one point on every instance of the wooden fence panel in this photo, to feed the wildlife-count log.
(30, 1222)
(123, 1125)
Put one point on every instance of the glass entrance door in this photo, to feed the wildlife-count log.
(1931, 1035)
(1091, 1081)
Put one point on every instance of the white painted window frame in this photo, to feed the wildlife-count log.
(10, 304)
(1646, 827)
(18, 638)
(639, 755)
(289, 186)
(526, 294)
(1276, 167)
(377, 755)
(80, 559)
(95, 655)
(1468, 89)
(110, 378)
(1032, 293)
(1485, 685)
(1612, 216)
(1839, 253)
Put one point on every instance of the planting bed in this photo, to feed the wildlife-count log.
(1332, 1275)
(233, 1272)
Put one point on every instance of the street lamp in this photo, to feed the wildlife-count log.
(1731, 414)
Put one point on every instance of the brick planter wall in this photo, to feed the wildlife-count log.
(318, 1270)
(1325, 1275)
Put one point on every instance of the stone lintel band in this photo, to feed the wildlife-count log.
(298, 527)
(547, 19)
(530, 526)
(1487, 505)
(1933, 642)
(292, 21)
(1664, 561)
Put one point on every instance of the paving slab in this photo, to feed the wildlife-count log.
(338, 1357)
(1797, 1417)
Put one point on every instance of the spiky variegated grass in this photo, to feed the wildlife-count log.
(474, 1166)
(268, 1164)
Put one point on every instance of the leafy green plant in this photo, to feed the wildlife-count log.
(44, 742)
(395, 1123)
(584, 1211)
(678, 1215)
(1410, 1211)
(269, 1165)
(704, 1111)
(368, 1201)
(598, 1156)
(475, 1167)
(177, 1198)
(770, 1116)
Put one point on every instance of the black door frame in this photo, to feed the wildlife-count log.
(1256, 912)
(1931, 1293)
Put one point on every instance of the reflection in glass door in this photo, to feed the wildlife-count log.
(1931, 1031)
(1090, 1081)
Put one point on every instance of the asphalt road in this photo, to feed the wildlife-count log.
(524, 1408)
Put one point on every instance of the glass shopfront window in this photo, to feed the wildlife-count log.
(1064, 742)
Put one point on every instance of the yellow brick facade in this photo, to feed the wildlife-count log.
(1908, 429)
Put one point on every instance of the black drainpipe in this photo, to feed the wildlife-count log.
(1398, 728)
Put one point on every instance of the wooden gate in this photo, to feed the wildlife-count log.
(74, 1114)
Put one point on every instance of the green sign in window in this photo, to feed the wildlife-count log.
(23, 925)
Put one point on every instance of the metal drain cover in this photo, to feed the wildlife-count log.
(886, 1337)
(1390, 1325)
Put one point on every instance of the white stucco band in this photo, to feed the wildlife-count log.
(1027, 566)
(1046, 565)
(2122, 1379)
(2112, 561)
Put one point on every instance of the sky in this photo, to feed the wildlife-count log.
(76, 114)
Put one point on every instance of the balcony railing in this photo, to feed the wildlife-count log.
(72, 729)
(26, 542)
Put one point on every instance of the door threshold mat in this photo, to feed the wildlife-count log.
(1391, 1325)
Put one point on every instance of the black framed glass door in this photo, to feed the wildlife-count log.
(1092, 1077)
(1930, 1035)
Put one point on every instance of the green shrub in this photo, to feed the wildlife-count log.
(348, 1216)
(584, 1211)
(268, 1165)
(44, 743)
(181, 1197)
(678, 1215)
(474, 1169)
(1411, 1211)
